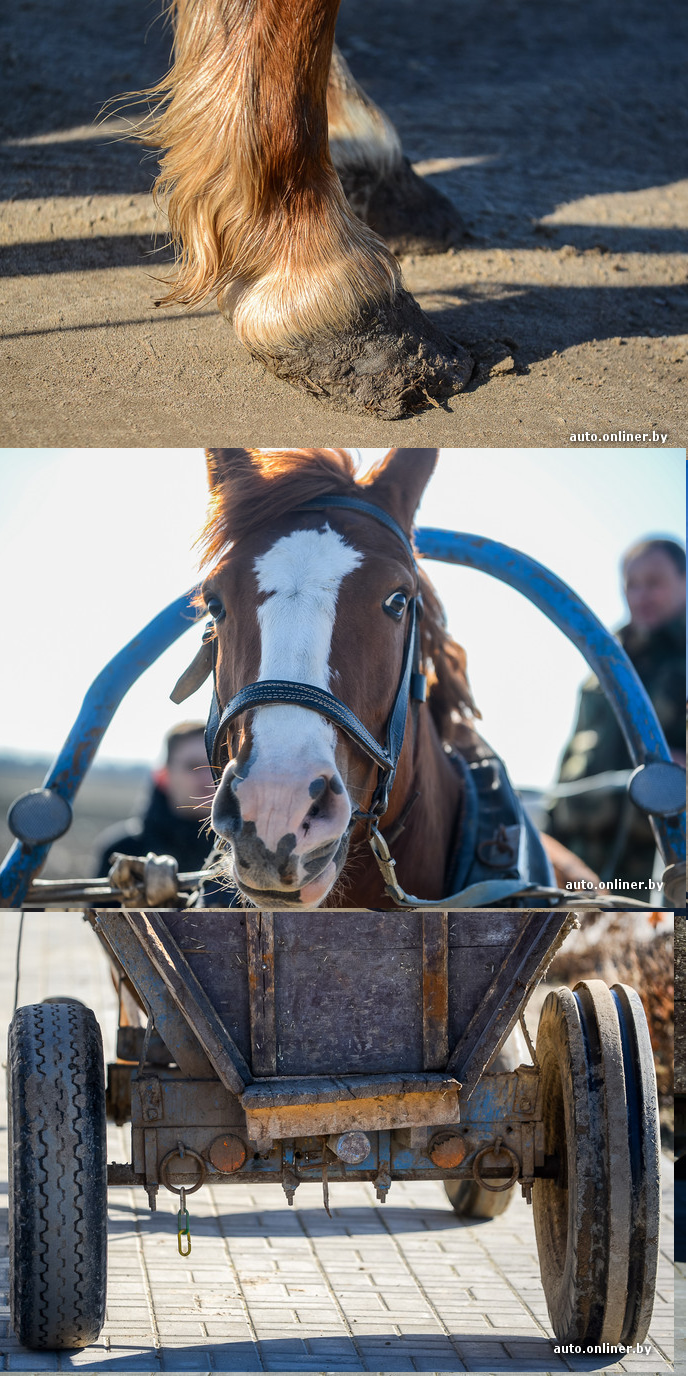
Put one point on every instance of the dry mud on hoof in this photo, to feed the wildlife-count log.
(404, 209)
(394, 364)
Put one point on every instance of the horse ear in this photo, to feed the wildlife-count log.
(222, 464)
(398, 484)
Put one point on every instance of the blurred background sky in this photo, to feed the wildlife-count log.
(93, 543)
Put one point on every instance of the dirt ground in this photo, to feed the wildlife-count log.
(552, 127)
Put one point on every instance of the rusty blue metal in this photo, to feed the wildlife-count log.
(102, 699)
(604, 654)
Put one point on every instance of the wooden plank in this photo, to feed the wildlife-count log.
(471, 973)
(346, 930)
(213, 942)
(520, 970)
(496, 927)
(313, 1107)
(435, 989)
(150, 929)
(178, 1037)
(318, 1089)
(344, 1007)
(260, 947)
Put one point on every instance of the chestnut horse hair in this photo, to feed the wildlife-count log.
(278, 482)
(256, 209)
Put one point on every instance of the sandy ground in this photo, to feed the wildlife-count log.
(554, 130)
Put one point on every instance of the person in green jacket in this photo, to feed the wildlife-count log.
(601, 824)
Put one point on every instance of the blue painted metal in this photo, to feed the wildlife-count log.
(605, 655)
(559, 603)
(498, 1106)
(23, 863)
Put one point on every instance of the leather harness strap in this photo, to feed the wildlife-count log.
(474, 862)
(271, 692)
(338, 501)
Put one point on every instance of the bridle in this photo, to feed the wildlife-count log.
(411, 689)
(266, 692)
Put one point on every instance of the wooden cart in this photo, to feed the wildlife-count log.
(335, 1046)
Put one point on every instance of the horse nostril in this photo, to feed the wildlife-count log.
(317, 790)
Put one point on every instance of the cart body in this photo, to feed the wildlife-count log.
(333, 1046)
(286, 1028)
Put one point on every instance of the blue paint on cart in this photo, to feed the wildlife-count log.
(603, 652)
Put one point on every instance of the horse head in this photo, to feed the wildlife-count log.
(323, 597)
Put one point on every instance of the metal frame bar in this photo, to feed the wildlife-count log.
(606, 657)
(190, 998)
(260, 950)
(128, 951)
(102, 699)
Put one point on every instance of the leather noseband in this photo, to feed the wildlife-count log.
(266, 692)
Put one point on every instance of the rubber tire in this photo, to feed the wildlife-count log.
(63, 998)
(57, 1176)
(645, 1140)
(597, 1245)
(471, 1200)
(467, 1198)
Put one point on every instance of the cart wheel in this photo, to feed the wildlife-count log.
(58, 1176)
(470, 1200)
(597, 1224)
(63, 998)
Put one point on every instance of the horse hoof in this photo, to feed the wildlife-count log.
(404, 209)
(394, 364)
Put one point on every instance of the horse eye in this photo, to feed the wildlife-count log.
(395, 604)
(215, 608)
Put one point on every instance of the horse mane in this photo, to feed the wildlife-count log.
(449, 695)
(274, 483)
(277, 481)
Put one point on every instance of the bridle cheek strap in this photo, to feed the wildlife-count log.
(270, 692)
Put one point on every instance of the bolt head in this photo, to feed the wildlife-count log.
(227, 1154)
(447, 1150)
(350, 1147)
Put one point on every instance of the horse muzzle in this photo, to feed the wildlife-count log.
(288, 836)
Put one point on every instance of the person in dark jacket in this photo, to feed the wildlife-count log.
(602, 825)
(175, 820)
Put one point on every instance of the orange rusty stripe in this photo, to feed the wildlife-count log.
(342, 1115)
(435, 990)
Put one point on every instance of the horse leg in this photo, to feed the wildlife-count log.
(259, 217)
(379, 182)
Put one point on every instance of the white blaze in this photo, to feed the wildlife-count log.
(301, 575)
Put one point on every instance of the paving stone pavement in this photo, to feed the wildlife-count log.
(399, 1287)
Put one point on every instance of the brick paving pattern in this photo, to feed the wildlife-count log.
(399, 1287)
